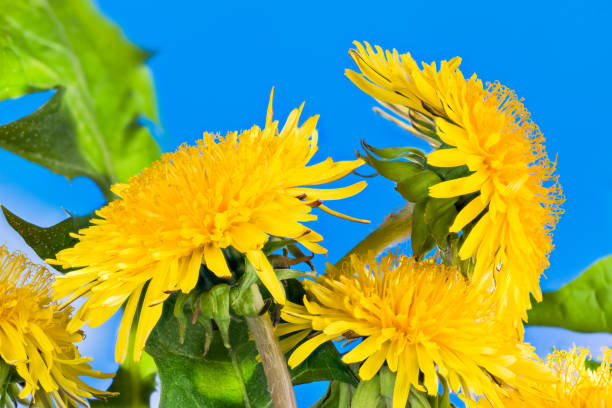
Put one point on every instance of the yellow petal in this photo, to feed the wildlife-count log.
(267, 276)
(468, 213)
(305, 349)
(370, 367)
(126, 325)
(446, 158)
(191, 271)
(458, 187)
(215, 261)
(475, 237)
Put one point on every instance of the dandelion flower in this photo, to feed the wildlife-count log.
(578, 386)
(34, 338)
(422, 319)
(235, 190)
(513, 195)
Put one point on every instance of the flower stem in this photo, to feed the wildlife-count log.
(395, 228)
(272, 358)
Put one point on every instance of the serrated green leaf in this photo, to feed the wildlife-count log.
(190, 378)
(46, 242)
(90, 127)
(583, 305)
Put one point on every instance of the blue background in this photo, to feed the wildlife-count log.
(215, 62)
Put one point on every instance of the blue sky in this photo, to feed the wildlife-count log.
(215, 62)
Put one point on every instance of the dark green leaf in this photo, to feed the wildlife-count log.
(90, 127)
(583, 305)
(46, 242)
(190, 379)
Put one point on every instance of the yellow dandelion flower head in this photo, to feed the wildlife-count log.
(513, 195)
(34, 337)
(234, 190)
(422, 319)
(578, 385)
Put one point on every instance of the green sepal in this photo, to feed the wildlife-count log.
(47, 242)
(421, 239)
(440, 213)
(395, 170)
(368, 395)
(179, 313)
(338, 395)
(399, 152)
(416, 187)
(215, 305)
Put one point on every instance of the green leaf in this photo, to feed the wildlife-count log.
(222, 377)
(90, 127)
(583, 305)
(190, 379)
(46, 242)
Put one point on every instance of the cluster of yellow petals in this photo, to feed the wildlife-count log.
(421, 318)
(235, 190)
(577, 386)
(488, 130)
(35, 340)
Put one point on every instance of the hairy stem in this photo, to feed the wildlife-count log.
(272, 358)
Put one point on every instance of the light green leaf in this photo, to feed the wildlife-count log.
(90, 127)
(583, 305)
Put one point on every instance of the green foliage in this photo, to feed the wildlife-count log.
(46, 242)
(583, 305)
(89, 128)
(224, 377)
